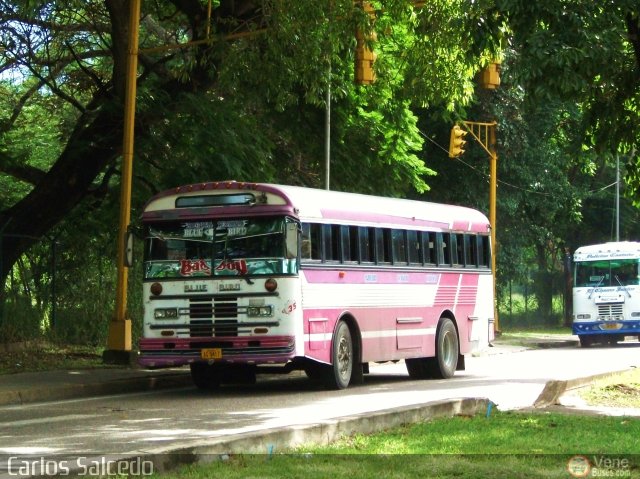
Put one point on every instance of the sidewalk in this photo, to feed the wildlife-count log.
(538, 341)
(22, 388)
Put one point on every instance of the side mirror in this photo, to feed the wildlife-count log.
(128, 248)
(292, 240)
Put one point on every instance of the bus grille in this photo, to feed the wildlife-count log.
(217, 317)
(610, 312)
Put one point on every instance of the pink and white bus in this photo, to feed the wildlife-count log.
(243, 278)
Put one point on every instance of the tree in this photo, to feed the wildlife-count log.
(587, 53)
(245, 100)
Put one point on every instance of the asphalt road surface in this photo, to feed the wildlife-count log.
(162, 420)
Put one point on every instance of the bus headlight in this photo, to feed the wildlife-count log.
(165, 313)
(583, 316)
(259, 311)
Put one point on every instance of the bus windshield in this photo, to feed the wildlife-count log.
(619, 272)
(219, 247)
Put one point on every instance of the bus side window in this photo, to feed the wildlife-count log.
(445, 250)
(311, 242)
(367, 239)
(383, 245)
(413, 241)
(399, 245)
(349, 241)
(331, 236)
(430, 248)
(484, 251)
(457, 249)
(471, 250)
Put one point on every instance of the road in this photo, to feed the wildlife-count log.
(161, 420)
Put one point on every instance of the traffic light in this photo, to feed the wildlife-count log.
(364, 73)
(365, 57)
(457, 141)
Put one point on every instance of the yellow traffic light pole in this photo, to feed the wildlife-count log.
(119, 340)
(485, 135)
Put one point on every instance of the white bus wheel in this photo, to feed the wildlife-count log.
(338, 374)
(444, 365)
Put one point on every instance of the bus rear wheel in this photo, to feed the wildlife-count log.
(337, 375)
(417, 368)
(444, 365)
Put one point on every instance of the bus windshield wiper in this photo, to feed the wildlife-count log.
(622, 285)
(596, 286)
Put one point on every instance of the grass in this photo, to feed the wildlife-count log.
(536, 332)
(45, 356)
(621, 391)
(525, 336)
(503, 445)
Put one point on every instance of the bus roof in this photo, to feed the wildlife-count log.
(613, 250)
(315, 205)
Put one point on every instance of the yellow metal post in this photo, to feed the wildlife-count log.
(119, 340)
(493, 186)
(485, 135)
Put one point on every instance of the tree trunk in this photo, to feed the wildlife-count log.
(94, 144)
(96, 141)
(544, 287)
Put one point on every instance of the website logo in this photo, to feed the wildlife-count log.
(579, 466)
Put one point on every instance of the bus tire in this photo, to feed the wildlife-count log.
(417, 368)
(314, 371)
(444, 365)
(205, 376)
(337, 375)
(585, 341)
(613, 340)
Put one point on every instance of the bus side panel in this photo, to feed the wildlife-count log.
(464, 309)
(397, 319)
(480, 320)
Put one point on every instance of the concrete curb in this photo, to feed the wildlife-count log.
(114, 386)
(279, 440)
(554, 389)
(527, 344)
(555, 344)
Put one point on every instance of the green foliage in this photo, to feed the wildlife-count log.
(252, 107)
(21, 319)
(587, 53)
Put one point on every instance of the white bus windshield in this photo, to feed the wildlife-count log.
(604, 273)
(219, 247)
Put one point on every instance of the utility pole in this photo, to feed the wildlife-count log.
(617, 197)
(485, 136)
(119, 339)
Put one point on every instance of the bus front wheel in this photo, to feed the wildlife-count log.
(205, 376)
(338, 374)
(585, 341)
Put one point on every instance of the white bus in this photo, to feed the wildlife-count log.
(606, 292)
(243, 278)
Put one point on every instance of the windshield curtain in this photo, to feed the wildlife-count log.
(229, 247)
(606, 273)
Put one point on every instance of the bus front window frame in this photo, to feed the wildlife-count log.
(207, 249)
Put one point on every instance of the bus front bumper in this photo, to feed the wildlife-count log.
(165, 352)
(623, 327)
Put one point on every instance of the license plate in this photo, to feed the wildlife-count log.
(611, 326)
(211, 353)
